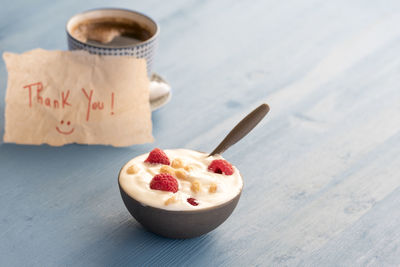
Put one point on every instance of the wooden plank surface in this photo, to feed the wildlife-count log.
(322, 172)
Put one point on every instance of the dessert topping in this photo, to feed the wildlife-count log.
(221, 166)
(157, 156)
(164, 182)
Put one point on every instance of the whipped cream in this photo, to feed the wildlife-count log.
(223, 187)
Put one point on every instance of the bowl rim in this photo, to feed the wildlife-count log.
(206, 209)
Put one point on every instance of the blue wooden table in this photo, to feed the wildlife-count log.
(322, 171)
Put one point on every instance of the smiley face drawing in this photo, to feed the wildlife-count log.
(66, 129)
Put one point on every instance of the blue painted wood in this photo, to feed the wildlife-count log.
(322, 172)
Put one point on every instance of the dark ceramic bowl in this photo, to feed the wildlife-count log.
(178, 224)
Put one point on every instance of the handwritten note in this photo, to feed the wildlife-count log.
(62, 97)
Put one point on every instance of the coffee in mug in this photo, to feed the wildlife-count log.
(110, 32)
(116, 32)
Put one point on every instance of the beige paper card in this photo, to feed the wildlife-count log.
(62, 97)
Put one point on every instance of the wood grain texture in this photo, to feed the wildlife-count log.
(322, 172)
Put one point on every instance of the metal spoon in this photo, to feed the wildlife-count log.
(158, 101)
(242, 129)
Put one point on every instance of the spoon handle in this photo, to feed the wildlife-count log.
(242, 128)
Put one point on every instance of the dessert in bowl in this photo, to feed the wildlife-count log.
(180, 193)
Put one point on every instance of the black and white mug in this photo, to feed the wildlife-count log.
(141, 49)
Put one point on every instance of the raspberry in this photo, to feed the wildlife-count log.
(157, 156)
(164, 182)
(192, 201)
(221, 166)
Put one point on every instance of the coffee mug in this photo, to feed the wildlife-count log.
(116, 32)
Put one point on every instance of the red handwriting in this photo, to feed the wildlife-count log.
(68, 132)
(65, 99)
(46, 101)
(90, 101)
(98, 105)
(35, 96)
(112, 103)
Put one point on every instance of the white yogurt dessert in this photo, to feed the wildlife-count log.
(180, 179)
